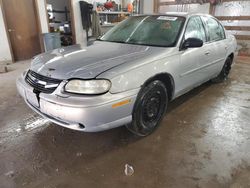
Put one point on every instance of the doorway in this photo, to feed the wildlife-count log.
(21, 22)
(61, 20)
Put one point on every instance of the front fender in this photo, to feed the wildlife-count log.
(137, 76)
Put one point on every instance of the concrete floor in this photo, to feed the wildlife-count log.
(203, 142)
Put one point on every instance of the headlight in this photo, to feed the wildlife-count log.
(88, 86)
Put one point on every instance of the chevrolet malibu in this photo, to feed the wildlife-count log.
(129, 75)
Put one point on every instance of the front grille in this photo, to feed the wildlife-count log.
(41, 83)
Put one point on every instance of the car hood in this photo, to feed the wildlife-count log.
(86, 62)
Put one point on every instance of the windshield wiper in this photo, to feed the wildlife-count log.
(113, 41)
(132, 41)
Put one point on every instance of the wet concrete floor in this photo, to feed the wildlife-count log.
(204, 141)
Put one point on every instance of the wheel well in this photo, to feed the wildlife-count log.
(231, 56)
(168, 81)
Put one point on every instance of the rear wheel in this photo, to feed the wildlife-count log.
(225, 71)
(149, 109)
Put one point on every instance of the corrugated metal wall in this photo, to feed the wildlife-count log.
(204, 8)
(237, 8)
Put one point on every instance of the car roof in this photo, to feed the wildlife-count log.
(186, 14)
(182, 14)
(178, 13)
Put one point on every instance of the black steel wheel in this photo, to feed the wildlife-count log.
(225, 71)
(149, 109)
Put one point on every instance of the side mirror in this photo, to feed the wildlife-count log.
(191, 43)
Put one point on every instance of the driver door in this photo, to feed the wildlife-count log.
(191, 58)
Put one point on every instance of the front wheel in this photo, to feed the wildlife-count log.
(149, 109)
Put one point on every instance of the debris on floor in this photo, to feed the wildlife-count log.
(9, 174)
(129, 170)
(78, 154)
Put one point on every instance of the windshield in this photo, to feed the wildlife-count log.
(147, 30)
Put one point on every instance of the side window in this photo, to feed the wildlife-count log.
(222, 31)
(214, 29)
(195, 29)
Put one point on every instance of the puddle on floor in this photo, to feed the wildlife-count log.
(30, 123)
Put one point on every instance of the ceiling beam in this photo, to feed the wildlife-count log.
(156, 6)
(192, 2)
(233, 17)
(242, 37)
(238, 28)
(212, 9)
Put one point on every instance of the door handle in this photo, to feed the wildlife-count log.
(207, 53)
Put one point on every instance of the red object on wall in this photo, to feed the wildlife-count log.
(130, 7)
(108, 5)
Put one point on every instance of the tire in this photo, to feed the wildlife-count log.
(224, 72)
(150, 107)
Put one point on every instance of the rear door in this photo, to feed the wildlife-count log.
(216, 48)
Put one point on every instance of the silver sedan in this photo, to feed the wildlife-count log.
(129, 75)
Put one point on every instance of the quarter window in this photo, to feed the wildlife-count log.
(214, 29)
(195, 29)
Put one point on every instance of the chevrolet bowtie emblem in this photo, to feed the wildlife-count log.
(40, 82)
(45, 84)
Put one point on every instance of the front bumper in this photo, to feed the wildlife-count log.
(82, 113)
